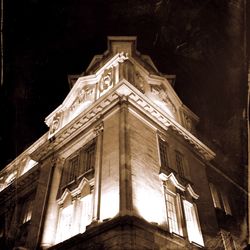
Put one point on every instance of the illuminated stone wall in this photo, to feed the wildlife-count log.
(109, 203)
(148, 197)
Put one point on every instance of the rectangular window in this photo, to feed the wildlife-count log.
(179, 163)
(193, 226)
(79, 163)
(27, 211)
(220, 199)
(172, 213)
(163, 146)
(215, 196)
(65, 224)
(88, 157)
(225, 202)
(86, 212)
(73, 168)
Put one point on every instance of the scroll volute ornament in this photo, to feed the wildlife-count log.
(106, 80)
(140, 82)
(55, 123)
(188, 123)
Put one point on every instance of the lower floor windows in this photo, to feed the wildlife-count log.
(74, 218)
(220, 199)
(64, 230)
(182, 215)
(86, 212)
(192, 223)
(172, 213)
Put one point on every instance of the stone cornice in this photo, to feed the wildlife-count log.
(106, 102)
(44, 147)
(148, 107)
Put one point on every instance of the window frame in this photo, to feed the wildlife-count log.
(220, 199)
(177, 208)
(179, 158)
(60, 230)
(71, 174)
(163, 157)
(192, 227)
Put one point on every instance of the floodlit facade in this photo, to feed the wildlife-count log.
(121, 167)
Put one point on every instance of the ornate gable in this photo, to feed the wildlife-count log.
(120, 61)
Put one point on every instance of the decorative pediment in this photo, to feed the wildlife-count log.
(171, 177)
(120, 62)
(69, 194)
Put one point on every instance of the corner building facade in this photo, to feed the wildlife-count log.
(120, 167)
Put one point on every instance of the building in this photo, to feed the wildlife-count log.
(121, 167)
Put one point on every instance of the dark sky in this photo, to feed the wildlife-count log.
(201, 41)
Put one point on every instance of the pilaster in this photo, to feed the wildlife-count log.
(125, 166)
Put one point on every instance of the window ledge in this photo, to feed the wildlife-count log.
(178, 236)
(196, 244)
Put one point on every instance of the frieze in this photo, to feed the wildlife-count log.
(168, 123)
(86, 93)
(78, 125)
(111, 100)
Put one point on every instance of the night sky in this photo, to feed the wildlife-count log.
(201, 41)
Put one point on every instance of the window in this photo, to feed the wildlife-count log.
(172, 213)
(65, 225)
(181, 211)
(88, 158)
(192, 223)
(27, 211)
(226, 205)
(73, 168)
(163, 146)
(179, 163)
(173, 209)
(79, 163)
(86, 212)
(220, 199)
(215, 195)
(76, 210)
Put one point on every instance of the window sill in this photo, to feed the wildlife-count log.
(196, 244)
(178, 236)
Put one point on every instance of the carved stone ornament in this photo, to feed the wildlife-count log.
(55, 123)
(106, 79)
(164, 97)
(139, 82)
(98, 129)
(122, 57)
(59, 161)
(83, 95)
(188, 122)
